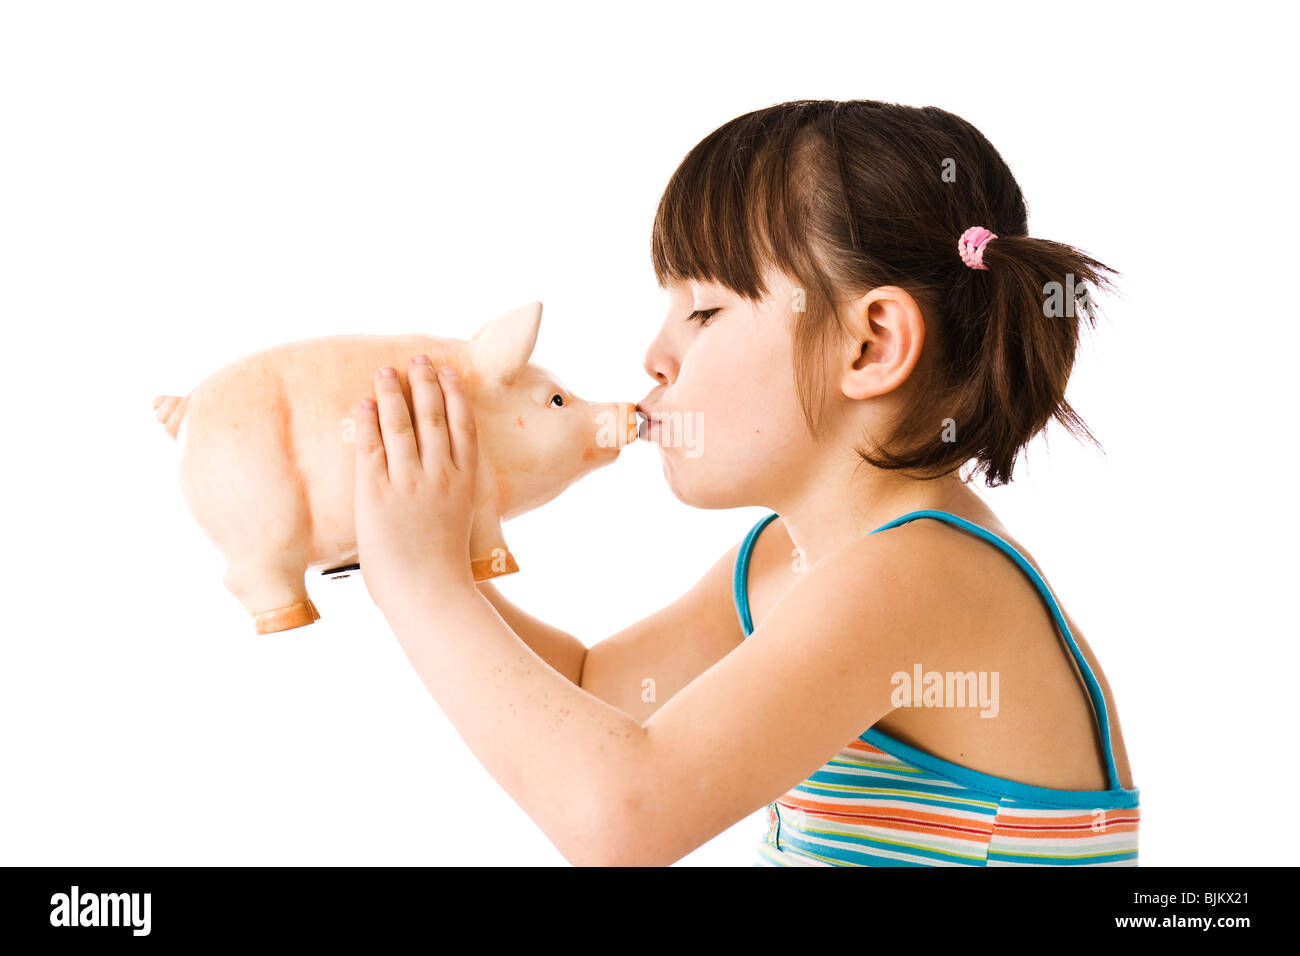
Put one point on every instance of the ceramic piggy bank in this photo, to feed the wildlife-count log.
(267, 453)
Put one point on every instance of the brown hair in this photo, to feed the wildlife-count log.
(845, 197)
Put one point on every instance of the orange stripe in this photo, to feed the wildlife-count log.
(865, 747)
(895, 819)
(1012, 818)
(1081, 833)
(901, 826)
(800, 802)
(1047, 823)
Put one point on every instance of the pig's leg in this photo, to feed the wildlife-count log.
(271, 588)
(489, 556)
(266, 571)
(249, 499)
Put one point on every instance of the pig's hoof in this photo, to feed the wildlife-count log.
(503, 562)
(284, 618)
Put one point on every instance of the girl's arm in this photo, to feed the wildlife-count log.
(641, 666)
(558, 648)
(607, 791)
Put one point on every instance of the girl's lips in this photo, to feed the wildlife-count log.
(643, 425)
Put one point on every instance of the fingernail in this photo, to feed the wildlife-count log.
(368, 403)
(420, 359)
(448, 371)
(387, 372)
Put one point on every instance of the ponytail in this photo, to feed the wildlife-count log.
(1017, 325)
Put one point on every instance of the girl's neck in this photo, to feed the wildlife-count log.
(828, 513)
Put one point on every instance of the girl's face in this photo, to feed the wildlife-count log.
(724, 410)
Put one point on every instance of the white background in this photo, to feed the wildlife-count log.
(182, 184)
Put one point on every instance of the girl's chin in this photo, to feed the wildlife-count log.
(678, 487)
(691, 487)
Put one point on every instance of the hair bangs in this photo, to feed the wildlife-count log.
(729, 211)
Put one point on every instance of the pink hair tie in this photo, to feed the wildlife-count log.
(971, 246)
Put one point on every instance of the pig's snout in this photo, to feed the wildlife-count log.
(615, 426)
(627, 417)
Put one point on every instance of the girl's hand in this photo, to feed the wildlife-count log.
(414, 485)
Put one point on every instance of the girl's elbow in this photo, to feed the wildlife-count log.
(611, 832)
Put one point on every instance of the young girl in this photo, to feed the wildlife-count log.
(857, 312)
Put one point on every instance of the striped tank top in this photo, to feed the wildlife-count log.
(881, 802)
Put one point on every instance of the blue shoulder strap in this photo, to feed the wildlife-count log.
(740, 575)
(1094, 690)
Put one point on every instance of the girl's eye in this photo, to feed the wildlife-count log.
(557, 401)
(702, 316)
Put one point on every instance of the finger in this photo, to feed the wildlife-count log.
(371, 463)
(395, 423)
(461, 427)
(430, 414)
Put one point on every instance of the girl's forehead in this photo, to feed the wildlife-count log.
(776, 282)
(689, 288)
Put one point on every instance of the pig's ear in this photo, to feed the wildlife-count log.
(500, 349)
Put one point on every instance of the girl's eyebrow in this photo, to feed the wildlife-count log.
(710, 289)
(697, 291)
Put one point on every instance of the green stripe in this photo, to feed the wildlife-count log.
(1008, 854)
(900, 767)
(894, 843)
(915, 794)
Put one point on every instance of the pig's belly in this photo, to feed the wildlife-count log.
(341, 373)
(295, 402)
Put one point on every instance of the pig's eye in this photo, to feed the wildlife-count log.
(557, 401)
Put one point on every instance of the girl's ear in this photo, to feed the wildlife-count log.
(885, 334)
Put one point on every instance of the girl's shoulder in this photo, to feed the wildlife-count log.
(775, 564)
(980, 612)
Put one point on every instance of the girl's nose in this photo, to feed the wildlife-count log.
(660, 364)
